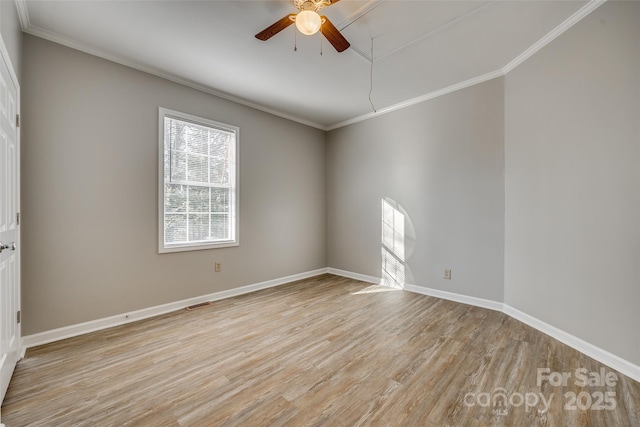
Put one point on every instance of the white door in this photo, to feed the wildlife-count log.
(9, 226)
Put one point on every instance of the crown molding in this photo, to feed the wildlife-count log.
(426, 97)
(548, 38)
(73, 44)
(554, 34)
(592, 5)
(23, 14)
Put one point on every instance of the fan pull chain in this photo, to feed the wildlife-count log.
(320, 46)
(295, 41)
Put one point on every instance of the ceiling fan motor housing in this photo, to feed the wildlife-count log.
(311, 4)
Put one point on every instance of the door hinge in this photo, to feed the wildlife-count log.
(17, 120)
(19, 316)
(18, 218)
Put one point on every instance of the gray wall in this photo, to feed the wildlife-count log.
(572, 143)
(442, 161)
(89, 192)
(11, 34)
(527, 187)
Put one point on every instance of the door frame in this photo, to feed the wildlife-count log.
(4, 56)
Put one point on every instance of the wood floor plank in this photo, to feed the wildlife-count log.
(322, 351)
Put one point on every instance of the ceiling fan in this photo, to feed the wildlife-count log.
(308, 21)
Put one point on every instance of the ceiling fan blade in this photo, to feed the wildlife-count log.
(333, 35)
(332, 2)
(274, 29)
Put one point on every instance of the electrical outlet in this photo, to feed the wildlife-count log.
(218, 267)
(447, 274)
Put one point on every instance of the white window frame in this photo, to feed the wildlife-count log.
(234, 184)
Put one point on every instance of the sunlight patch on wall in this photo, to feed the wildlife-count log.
(393, 250)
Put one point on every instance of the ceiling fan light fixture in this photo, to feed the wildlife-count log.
(308, 22)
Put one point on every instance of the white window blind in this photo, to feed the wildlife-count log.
(199, 183)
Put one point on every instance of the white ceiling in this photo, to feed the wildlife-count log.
(420, 47)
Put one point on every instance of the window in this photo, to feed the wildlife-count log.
(198, 203)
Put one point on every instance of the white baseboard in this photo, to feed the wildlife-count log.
(615, 362)
(603, 356)
(451, 296)
(120, 319)
(355, 276)
(465, 299)
(619, 364)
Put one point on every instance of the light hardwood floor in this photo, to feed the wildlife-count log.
(322, 351)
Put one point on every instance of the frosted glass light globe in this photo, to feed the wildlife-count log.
(308, 22)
